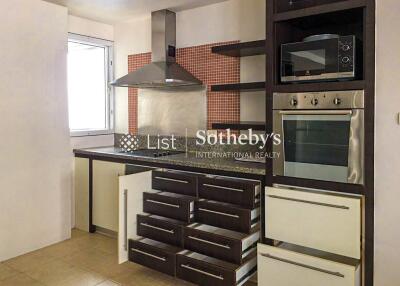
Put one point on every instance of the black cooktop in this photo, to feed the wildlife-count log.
(155, 153)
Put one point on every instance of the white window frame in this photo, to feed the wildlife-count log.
(110, 101)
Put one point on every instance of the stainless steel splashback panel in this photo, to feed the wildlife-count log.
(166, 112)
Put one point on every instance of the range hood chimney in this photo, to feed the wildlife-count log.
(163, 72)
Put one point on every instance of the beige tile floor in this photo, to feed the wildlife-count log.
(84, 260)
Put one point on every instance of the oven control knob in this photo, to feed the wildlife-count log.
(337, 101)
(314, 101)
(293, 102)
(345, 47)
(346, 60)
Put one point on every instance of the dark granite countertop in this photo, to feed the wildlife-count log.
(189, 160)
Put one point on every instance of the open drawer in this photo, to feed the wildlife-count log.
(153, 254)
(169, 205)
(293, 265)
(245, 193)
(220, 243)
(175, 182)
(205, 271)
(227, 216)
(160, 228)
(318, 220)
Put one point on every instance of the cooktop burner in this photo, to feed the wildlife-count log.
(152, 153)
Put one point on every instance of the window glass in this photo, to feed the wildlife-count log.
(88, 94)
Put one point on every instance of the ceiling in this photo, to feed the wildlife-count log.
(113, 11)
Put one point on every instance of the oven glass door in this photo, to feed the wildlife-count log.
(316, 146)
(309, 60)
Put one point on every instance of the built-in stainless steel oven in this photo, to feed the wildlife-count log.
(322, 135)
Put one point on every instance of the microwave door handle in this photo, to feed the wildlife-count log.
(316, 112)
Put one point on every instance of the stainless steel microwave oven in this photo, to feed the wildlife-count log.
(322, 135)
(319, 58)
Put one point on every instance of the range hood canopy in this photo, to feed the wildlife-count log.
(163, 72)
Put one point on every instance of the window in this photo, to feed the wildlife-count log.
(90, 97)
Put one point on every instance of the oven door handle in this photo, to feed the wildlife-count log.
(316, 112)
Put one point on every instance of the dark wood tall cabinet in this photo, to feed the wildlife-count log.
(290, 23)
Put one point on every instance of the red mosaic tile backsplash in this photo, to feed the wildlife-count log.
(210, 69)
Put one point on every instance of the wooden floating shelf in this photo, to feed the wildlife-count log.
(241, 125)
(320, 9)
(320, 86)
(244, 49)
(250, 86)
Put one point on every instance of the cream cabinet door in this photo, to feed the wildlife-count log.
(105, 194)
(131, 188)
(281, 267)
(317, 220)
(81, 193)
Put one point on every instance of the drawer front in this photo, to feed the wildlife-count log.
(203, 274)
(175, 182)
(213, 245)
(234, 192)
(282, 268)
(168, 207)
(320, 221)
(232, 218)
(151, 257)
(159, 230)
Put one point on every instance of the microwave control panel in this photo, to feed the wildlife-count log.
(347, 46)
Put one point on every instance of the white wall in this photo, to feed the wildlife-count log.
(36, 162)
(227, 21)
(387, 152)
(94, 29)
(90, 28)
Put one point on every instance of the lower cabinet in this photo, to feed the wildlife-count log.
(319, 220)
(287, 264)
(157, 229)
(206, 271)
(105, 194)
(131, 188)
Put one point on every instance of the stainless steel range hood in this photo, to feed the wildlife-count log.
(163, 72)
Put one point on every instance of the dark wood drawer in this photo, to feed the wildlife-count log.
(169, 205)
(205, 271)
(220, 243)
(153, 254)
(227, 216)
(245, 193)
(160, 228)
(175, 182)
